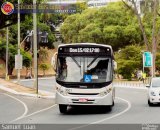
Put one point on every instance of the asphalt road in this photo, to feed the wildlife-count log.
(46, 84)
(130, 108)
(14, 107)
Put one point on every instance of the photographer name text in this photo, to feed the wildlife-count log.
(18, 127)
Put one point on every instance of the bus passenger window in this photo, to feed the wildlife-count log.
(64, 69)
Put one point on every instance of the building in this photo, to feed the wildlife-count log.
(64, 1)
(99, 3)
(90, 3)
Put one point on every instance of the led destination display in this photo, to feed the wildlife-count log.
(84, 50)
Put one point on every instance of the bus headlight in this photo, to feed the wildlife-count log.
(153, 93)
(103, 93)
(62, 91)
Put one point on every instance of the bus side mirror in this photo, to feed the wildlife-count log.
(54, 61)
(114, 65)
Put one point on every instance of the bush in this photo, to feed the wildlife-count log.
(44, 67)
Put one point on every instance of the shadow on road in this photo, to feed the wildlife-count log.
(155, 105)
(80, 110)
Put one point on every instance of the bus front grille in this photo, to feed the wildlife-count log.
(83, 93)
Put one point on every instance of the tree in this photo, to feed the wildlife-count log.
(44, 67)
(135, 10)
(43, 55)
(158, 62)
(26, 24)
(51, 38)
(12, 52)
(128, 60)
(91, 33)
(80, 6)
(113, 25)
(154, 38)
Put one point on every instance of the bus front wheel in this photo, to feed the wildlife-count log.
(107, 108)
(62, 108)
(112, 103)
(149, 103)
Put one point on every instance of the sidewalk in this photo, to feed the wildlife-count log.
(17, 89)
(22, 90)
(130, 84)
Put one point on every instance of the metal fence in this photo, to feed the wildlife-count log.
(128, 84)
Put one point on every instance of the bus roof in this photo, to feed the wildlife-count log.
(84, 44)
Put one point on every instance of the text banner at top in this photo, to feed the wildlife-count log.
(9, 8)
(45, 8)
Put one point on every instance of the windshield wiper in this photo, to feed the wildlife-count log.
(76, 62)
(92, 62)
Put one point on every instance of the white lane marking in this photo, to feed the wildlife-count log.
(40, 111)
(118, 114)
(8, 89)
(34, 113)
(25, 107)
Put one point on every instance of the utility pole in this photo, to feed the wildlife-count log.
(35, 45)
(154, 41)
(18, 70)
(7, 55)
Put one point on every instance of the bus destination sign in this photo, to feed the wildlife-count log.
(84, 50)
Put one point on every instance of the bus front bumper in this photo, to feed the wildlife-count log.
(84, 100)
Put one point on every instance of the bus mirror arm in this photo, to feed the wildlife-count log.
(54, 61)
(114, 65)
(92, 62)
(76, 62)
(54, 68)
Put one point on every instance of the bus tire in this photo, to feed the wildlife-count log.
(149, 103)
(112, 103)
(107, 108)
(62, 108)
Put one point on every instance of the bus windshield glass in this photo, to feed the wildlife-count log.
(81, 69)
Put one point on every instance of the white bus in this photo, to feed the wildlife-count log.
(84, 75)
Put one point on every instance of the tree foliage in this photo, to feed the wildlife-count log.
(129, 59)
(158, 62)
(44, 67)
(12, 52)
(43, 55)
(113, 25)
(148, 24)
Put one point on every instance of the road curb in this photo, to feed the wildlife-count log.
(25, 80)
(41, 95)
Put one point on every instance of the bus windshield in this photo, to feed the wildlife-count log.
(80, 69)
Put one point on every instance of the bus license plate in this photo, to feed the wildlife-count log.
(83, 100)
